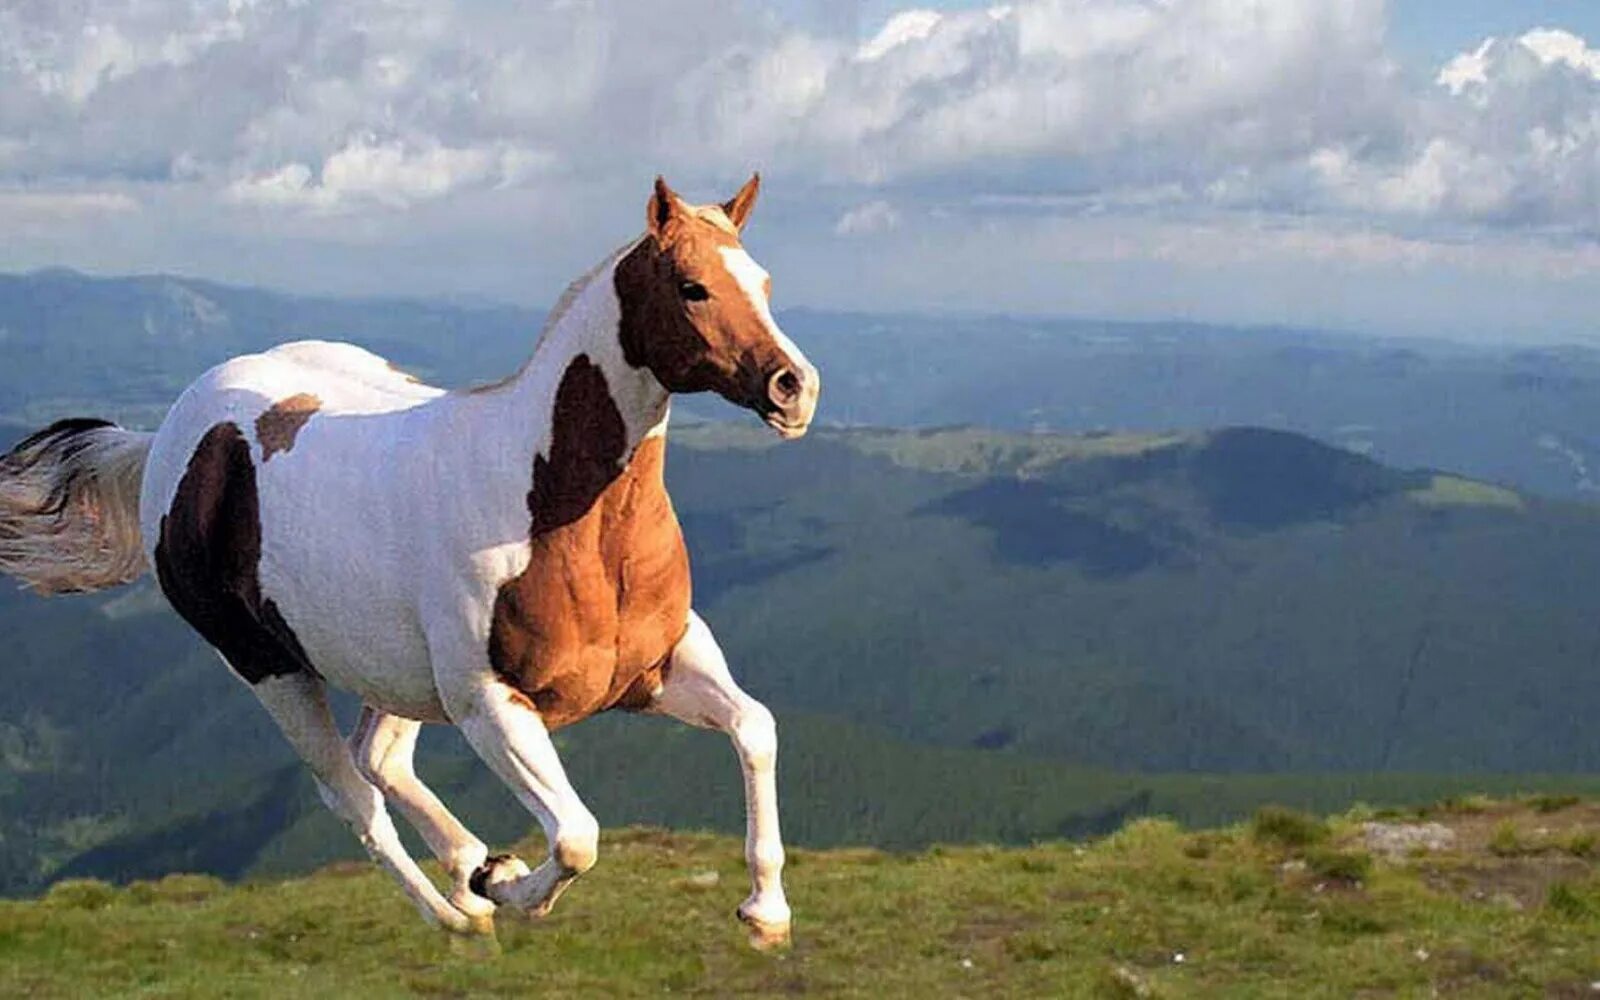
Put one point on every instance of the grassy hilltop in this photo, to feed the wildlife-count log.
(1287, 905)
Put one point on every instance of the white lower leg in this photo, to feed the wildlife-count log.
(755, 737)
(513, 741)
(701, 691)
(385, 747)
(298, 703)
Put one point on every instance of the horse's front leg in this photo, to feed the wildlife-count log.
(699, 690)
(507, 733)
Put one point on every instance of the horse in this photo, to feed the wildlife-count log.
(504, 559)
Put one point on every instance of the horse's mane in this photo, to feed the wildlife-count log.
(558, 312)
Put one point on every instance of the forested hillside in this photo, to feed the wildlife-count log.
(966, 634)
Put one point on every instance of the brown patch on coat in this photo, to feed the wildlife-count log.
(591, 622)
(208, 558)
(277, 428)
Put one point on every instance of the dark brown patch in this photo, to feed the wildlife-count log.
(208, 556)
(590, 623)
(277, 428)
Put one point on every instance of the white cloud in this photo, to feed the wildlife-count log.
(1511, 140)
(450, 123)
(1553, 46)
(904, 28)
(864, 220)
(1099, 85)
(390, 173)
(1467, 69)
(16, 205)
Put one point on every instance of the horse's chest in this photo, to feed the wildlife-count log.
(590, 623)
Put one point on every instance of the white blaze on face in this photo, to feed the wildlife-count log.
(752, 279)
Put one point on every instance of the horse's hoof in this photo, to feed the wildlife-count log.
(765, 935)
(478, 909)
(499, 870)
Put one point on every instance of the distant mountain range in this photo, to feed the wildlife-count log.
(1528, 418)
(966, 633)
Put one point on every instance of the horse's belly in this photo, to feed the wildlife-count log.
(341, 577)
(390, 671)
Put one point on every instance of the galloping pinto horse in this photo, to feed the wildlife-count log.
(504, 559)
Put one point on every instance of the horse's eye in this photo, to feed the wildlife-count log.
(693, 291)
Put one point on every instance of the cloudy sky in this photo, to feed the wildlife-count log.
(1417, 167)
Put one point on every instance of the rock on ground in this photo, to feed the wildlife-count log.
(1398, 840)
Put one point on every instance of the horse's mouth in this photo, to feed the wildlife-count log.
(786, 430)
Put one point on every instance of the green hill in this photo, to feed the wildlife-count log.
(986, 637)
(1507, 902)
(1240, 600)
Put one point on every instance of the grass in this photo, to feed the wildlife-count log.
(1284, 905)
(1454, 491)
(1286, 827)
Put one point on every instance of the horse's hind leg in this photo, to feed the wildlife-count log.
(511, 738)
(298, 703)
(699, 690)
(384, 747)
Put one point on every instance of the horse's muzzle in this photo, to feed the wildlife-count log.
(792, 396)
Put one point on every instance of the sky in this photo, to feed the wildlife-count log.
(1411, 167)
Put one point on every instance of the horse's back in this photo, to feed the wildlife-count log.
(281, 467)
(358, 380)
(270, 397)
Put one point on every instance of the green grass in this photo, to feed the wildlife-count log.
(1152, 910)
(1287, 827)
(1454, 491)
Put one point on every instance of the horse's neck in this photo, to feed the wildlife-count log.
(520, 415)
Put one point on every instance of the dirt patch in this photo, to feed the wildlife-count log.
(991, 927)
(1512, 854)
(1514, 883)
(1460, 969)
(1475, 831)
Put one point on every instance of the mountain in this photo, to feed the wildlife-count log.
(128, 346)
(966, 634)
(1525, 417)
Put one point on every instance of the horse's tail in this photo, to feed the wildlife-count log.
(69, 507)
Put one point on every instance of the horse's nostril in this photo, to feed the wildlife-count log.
(785, 386)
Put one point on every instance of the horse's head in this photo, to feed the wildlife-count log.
(695, 312)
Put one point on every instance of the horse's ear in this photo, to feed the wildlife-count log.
(664, 204)
(738, 207)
